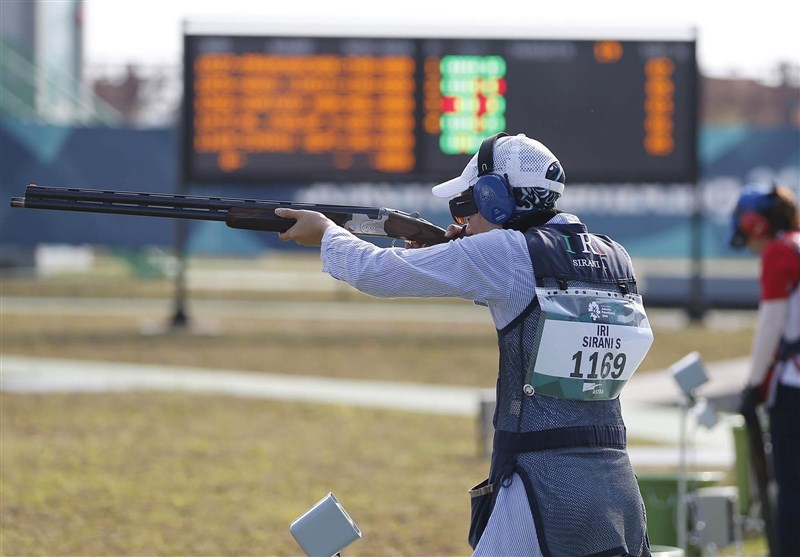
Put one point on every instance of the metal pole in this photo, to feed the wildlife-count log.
(682, 515)
(180, 318)
(697, 304)
(682, 472)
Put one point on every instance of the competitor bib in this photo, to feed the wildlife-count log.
(592, 342)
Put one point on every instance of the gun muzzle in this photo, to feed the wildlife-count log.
(18, 202)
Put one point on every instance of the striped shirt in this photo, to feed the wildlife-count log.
(492, 268)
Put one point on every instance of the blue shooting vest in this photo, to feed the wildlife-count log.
(568, 450)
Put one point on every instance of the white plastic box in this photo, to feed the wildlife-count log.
(325, 529)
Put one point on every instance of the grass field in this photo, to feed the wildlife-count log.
(170, 474)
(134, 474)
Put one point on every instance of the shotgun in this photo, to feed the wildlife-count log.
(249, 214)
(759, 460)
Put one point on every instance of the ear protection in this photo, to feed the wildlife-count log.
(754, 225)
(752, 214)
(492, 192)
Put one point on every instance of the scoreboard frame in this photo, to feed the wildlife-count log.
(663, 80)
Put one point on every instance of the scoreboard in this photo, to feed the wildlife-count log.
(302, 109)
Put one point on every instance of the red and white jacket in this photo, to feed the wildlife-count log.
(778, 330)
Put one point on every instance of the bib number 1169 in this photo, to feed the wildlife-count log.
(601, 366)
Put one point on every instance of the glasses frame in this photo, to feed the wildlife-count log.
(463, 206)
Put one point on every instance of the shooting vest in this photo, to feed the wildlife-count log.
(558, 422)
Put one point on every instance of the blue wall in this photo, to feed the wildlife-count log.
(103, 158)
(652, 220)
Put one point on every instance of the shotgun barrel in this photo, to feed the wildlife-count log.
(251, 214)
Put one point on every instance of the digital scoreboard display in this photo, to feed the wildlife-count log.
(295, 109)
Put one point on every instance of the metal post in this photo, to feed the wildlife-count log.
(180, 318)
(697, 304)
(682, 473)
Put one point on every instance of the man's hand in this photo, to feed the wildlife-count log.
(751, 398)
(309, 228)
(453, 232)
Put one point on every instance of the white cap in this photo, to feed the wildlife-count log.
(525, 162)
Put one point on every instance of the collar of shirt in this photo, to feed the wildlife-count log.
(564, 218)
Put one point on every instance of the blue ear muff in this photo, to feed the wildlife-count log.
(751, 218)
(493, 198)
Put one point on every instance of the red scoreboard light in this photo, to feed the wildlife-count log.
(292, 109)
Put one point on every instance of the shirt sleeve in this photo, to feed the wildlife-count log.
(491, 268)
(772, 315)
(780, 271)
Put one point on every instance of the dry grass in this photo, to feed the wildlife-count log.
(453, 353)
(138, 474)
(176, 474)
(172, 474)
